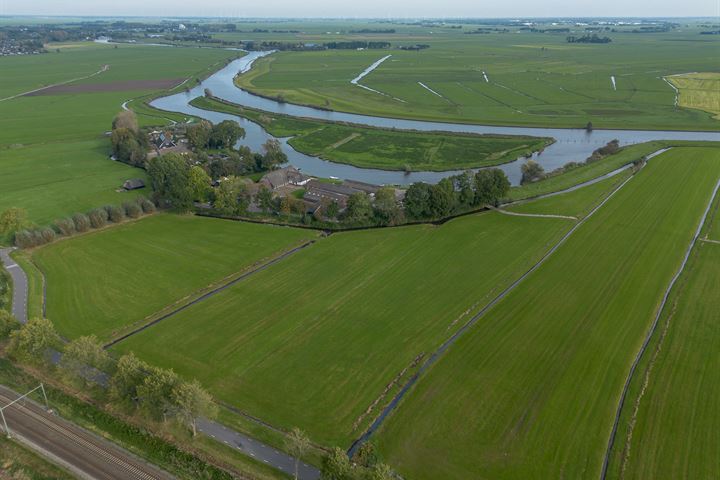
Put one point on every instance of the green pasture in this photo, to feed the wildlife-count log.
(53, 152)
(314, 340)
(532, 79)
(61, 178)
(531, 391)
(103, 281)
(669, 427)
(386, 149)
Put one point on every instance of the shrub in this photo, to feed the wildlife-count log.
(98, 217)
(24, 239)
(8, 323)
(146, 205)
(132, 209)
(81, 221)
(65, 226)
(47, 235)
(115, 213)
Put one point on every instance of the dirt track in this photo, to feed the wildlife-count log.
(119, 86)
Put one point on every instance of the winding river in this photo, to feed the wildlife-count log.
(570, 144)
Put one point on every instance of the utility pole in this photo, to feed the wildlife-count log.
(40, 387)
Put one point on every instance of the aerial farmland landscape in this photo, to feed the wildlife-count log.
(359, 241)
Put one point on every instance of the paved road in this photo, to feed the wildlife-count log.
(257, 450)
(83, 453)
(20, 285)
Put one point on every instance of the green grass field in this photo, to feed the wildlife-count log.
(386, 149)
(53, 152)
(103, 281)
(531, 391)
(672, 405)
(314, 340)
(57, 179)
(532, 79)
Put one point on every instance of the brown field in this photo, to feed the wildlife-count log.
(119, 86)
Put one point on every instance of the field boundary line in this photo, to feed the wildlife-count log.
(212, 292)
(105, 68)
(532, 215)
(707, 240)
(390, 407)
(651, 331)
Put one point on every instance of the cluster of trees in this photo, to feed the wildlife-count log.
(532, 171)
(157, 392)
(28, 237)
(455, 194)
(223, 135)
(594, 38)
(364, 465)
(355, 45)
(129, 143)
(374, 30)
(419, 46)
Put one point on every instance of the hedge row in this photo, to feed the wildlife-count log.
(82, 222)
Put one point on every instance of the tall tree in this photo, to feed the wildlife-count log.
(442, 198)
(129, 374)
(199, 183)
(386, 207)
(169, 175)
(156, 391)
(126, 119)
(33, 341)
(359, 208)
(192, 401)
(225, 134)
(297, 444)
(272, 154)
(335, 465)
(82, 356)
(199, 134)
(13, 220)
(264, 198)
(417, 200)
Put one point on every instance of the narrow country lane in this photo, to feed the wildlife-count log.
(20, 285)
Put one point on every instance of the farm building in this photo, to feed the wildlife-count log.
(282, 177)
(134, 184)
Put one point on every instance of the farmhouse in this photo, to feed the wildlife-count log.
(162, 140)
(133, 184)
(282, 177)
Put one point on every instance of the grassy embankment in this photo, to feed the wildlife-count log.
(105, 281)
(53, 152)
(669, 424)
(382, 148)
(533, 79)
(531, 391)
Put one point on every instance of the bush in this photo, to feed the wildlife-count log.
(132, 209)
(82, 222)
(65, 226)
(115, 213)
(8, 323)
(146, 205)
(47, 235)
(23, 239)
(98, 217)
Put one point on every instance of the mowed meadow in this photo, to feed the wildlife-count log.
(314, 340)
(103, 281)
(512, 78)
(670, 420)
(531, 391)
(53, 151)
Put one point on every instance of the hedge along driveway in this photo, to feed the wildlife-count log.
(102, 281)
(532, 391)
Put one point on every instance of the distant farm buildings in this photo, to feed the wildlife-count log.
(283, 177)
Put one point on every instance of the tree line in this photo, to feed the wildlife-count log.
(594, 38)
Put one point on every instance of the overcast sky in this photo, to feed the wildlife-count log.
(365, 8)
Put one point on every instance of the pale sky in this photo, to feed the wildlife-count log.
(366, 8)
